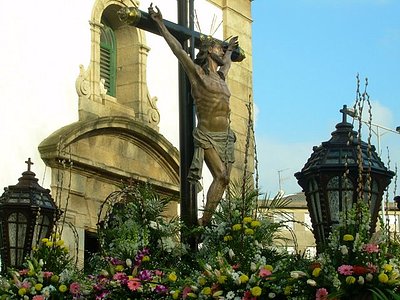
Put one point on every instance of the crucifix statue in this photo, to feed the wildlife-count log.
(213, 138)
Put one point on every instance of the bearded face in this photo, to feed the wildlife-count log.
(217, 58)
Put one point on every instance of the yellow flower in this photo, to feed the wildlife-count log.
(31, 273)
(38, 286)
(146, 258)
(269, 267)
(54, 278)
(247, 220)
(202, 281)
(255, 223)
(256, 291)
(217, 294)
(221, 279)
(172, 277)
(350, 279)
(22, 291)
(192, 295)
(59, 243)
(227, 238)
(49, 244)
(175, 294)
(316, 272)
(237, 227)
(62, 288)
(382, 277)
(45, 240)
(206, 291)
(387, 267)
(119, 268)
(348, 238)
(244, 278)
(287, 290)
(249, 231)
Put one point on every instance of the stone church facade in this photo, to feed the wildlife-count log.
(116, 139)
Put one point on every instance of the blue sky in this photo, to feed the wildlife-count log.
(306, 55)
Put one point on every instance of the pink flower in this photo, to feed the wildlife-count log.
(23, 272)
(47, 274)
(371, 248)
(26, 285)
(120, 276)
(321, 294)
(38, 297)
(185, 292)
(74, 288)
(264, 272)
(158, 273)
(372, 268)
(345, 270)
(133, 284)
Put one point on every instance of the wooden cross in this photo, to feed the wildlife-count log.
(29, 163)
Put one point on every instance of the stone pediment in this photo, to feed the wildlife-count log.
(115, 148)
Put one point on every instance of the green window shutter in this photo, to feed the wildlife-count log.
(108, 58)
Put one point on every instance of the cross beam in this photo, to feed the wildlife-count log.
(142, 20)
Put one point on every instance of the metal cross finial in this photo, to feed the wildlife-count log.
(29, 163)
(344, 112)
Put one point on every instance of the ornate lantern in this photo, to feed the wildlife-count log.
(331, 176)
(27, 214)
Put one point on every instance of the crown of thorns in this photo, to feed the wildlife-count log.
(208, 40)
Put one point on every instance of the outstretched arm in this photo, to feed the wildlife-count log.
(233, 44)
(174, 44)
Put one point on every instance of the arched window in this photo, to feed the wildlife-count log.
(108, 58)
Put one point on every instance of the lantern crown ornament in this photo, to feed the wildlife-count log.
(27, 214)
(335, 173)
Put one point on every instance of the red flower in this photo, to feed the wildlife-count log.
(315, 265)
(360, 270)
(247, 296)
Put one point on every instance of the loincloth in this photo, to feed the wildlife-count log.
(222, 142)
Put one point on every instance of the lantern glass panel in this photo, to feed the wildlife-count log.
(42, 229)
(340, 196)
(17, 226)
(316, 207)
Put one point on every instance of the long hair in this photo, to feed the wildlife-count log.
(202, 56)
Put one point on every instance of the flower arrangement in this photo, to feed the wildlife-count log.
(354, 264)
(48, 274)
(143, 258)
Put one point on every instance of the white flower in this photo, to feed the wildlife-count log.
(271, 295)
(128, 262)
(230, 295)
(194, 288)
(344, 249)
(253, 267)
(360, 280)
(231, 253)
(369, 277)
(297, 274)
(153, 225)
(311, 282)
(41, 262)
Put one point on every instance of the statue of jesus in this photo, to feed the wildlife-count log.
(213, 138)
